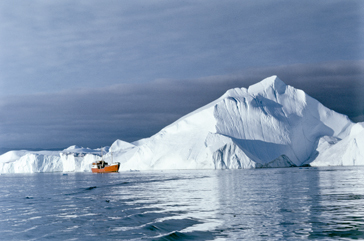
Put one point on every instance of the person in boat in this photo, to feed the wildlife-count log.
(101, 164)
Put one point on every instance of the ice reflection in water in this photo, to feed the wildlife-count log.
(293, 203)
(89, 206)
(263, 204)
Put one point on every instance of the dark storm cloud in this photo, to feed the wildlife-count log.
(94, 117)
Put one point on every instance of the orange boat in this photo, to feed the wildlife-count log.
(102, 167)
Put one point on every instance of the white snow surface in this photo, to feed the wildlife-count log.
(346, 152)
(72, 159)
(270, 124)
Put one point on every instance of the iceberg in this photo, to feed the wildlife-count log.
(72, 159)
(269, 124)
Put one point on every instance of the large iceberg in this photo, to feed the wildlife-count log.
(270, 124)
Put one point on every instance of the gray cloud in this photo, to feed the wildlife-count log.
(89, 72)
(57, 45)
(97, 116)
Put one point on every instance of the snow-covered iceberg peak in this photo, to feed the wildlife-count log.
(268, 124)
(272, 83)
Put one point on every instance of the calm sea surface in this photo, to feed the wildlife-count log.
(261, 204)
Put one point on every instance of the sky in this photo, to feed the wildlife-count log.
(89, 72)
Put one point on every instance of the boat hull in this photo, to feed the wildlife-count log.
(111, 168)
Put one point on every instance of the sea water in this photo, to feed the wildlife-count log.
(258, 204)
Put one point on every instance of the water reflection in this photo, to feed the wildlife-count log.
(180, 204)
(263, 204)
(292, 203)
(340, 212)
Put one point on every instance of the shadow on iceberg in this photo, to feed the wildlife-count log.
(240, 153)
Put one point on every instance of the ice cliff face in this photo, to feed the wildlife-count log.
(269, 124)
